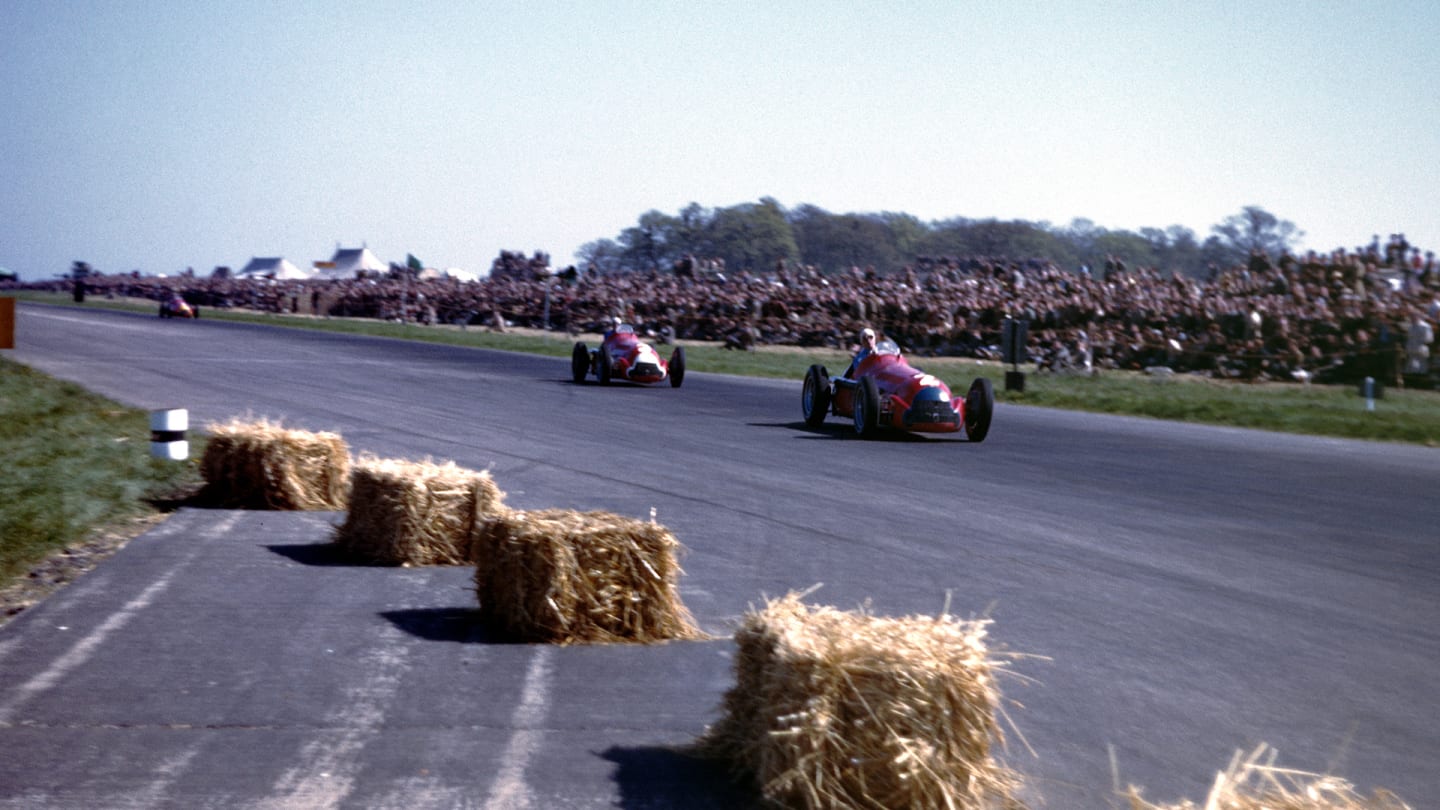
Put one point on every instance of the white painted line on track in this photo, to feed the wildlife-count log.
(426, 793)
(86, 646)
(510, 792)
(328, 767)
(157, 792)
(83, 649)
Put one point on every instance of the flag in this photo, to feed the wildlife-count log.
(413, 263)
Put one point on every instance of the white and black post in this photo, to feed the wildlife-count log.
(167, 434)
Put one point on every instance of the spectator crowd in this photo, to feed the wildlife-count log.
(1331, 317)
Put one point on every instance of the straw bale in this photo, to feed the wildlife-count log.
(1253, 782)
(415, 512)
(263, 465)
(844, 709)
(565, 577)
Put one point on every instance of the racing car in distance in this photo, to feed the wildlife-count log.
(174, 306)
(622, 355)
(882, 390)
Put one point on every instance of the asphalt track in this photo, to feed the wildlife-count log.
(1193, 590)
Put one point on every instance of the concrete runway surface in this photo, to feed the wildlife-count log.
(1192, 590)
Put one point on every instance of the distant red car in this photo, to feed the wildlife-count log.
(173, 306)
(624, 356)
(882, 390)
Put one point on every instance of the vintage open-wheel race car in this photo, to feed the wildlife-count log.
(622, 355)
(882, 390)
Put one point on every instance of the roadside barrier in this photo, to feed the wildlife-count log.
(167, 434)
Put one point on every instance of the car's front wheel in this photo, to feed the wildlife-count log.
(867, 408)
(602, 366)
(579, 363)
(677, 367)
(815, 396)
(979, 406)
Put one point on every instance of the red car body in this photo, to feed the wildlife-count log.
(882, 390)
(622, 355)
(173, 306)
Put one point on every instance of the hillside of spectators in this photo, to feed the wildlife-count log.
(1335, 317)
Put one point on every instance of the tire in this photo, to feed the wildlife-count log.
(867, 408)
(979, 407)
(677, 367)
(579, 363)
(815, 396)
(195, 313)
(164, 313)
(602, 366)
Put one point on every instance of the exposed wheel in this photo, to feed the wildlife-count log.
(195, 313)
(602, 366)
(867, 408)
(677, 367)
(815, 396)
(979, 405)
(164, 313)
(579, 363)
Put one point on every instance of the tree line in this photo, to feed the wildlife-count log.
(755, 235)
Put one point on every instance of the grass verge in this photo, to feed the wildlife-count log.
(1408, 416)
(77, 473)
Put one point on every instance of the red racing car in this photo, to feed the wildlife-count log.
(624, 356)
(882, 390)
(174, 306)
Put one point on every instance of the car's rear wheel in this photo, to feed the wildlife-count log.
(867, 408)
(602, 366)
(815, 396)
(579, 363)
(677, 367)
(979, 406)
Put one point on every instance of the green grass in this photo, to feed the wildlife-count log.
(1400, 416)
(74, 462)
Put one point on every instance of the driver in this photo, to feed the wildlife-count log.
(867, 345)
(618, 327)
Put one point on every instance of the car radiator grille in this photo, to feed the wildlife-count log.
(930, 413)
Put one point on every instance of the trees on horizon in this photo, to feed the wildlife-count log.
(754, 236)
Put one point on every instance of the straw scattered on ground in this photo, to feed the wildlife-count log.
(415, 512)
(263, 465)
(1254, 782)
(565, 577)
(844, 709)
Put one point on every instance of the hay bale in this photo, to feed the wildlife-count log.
(844, 709)
(1254, 783)
(263, 465)
(415, 513)
(563, 577)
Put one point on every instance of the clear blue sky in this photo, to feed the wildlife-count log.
(160, 136)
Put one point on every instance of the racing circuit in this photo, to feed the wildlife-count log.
(1187, 590)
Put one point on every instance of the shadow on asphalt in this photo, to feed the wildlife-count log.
(827, 430)
(617, 385)
(321, 554)
(461, 625)
(654, 777)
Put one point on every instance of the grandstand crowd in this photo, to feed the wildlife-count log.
(1333, 317)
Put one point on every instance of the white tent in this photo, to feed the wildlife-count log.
(462, 275)
(275, 267)
(350, 262)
